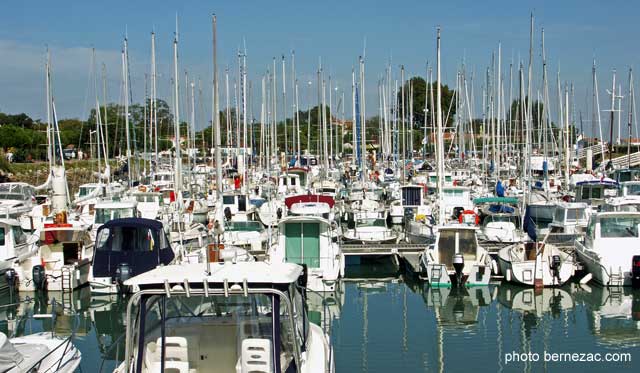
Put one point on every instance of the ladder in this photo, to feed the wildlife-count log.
(66, 281)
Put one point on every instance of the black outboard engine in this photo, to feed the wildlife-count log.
(303, 279)
(39, 278)
(555, 267)
(279, 213)
(635, 271)
(457, 211)
(227, 213)
(123, 273)
(12, 279)
(458, 265)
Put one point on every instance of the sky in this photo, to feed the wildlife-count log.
(333, 32)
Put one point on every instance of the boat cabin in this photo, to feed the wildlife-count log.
(242, 317)
(109, 210)
(570, 218)
(136, 244)
(594, 192)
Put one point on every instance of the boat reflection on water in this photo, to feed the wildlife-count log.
(457, 306)
(536, 302)
(613, 314)
(108, 312)
(324, 308)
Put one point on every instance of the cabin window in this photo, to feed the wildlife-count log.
(18, 235)
(586, 193)
(591, 228)
(575, 214)
(1, 236)
(103, 215)
(292, 181)
(559, 216)
(228, 200)
(619, 227)
(211, 333)
(128, 239)
(596, 192)
(411, 196)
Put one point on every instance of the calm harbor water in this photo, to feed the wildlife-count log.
(383, 322)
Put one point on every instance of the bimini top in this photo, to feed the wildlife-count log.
(133, 222)
(252, 272)
(309, 198)
(603, 181)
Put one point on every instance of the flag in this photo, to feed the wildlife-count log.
(150, 239)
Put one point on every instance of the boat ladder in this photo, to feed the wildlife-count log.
(616, 279)
(66, 280)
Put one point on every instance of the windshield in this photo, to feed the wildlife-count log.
(632, 189)
(515, 220)
(244, 226)
(12, 196)
(128, 239)
(84, 191)
(103, 215)
(234, 333)
(371, 223)
(619, 226)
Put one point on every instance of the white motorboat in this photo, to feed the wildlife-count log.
(369, 230)
(249, 235)
(16, 199)
(535, 264)
(19, 253)
(39, 352)
(308, 240)
(66, 253)
(456, 258)
(242, 317)
(610, 249)
(570, 218)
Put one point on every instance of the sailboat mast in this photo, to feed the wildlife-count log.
(176, 86)
(216, 118)
(125, 75)
(440, 150)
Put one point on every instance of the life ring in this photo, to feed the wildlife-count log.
(463, 214)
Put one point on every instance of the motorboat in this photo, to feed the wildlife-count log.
(249, 235)
(38, 352)
(66, 252)
(595, 192)
(456, 258)
(308, 240)
(610, 249)
(242, 317)
(535, 264)
(127, 247)
(16, 199)
(19, 253)
(369, 230)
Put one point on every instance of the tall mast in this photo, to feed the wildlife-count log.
(216, 118)
(403, 125)
(529, 105)
(153, 110)
(284, 106)
(613, 109)
(176, 85)
(50, 148)
(631, 109)
(440, 159)
(98, 116)
(125, 75)
(363, 157)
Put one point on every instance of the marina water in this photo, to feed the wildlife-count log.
(384, 321)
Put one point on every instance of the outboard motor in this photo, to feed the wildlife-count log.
(123, 273)
(457, 211)
(12, 278)
(227, 213)
(635, 271)
(303, 279)
(279, 213)
(555, 267)
(458, 265)
(39, 278)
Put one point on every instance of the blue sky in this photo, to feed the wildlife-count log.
(335, 31)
